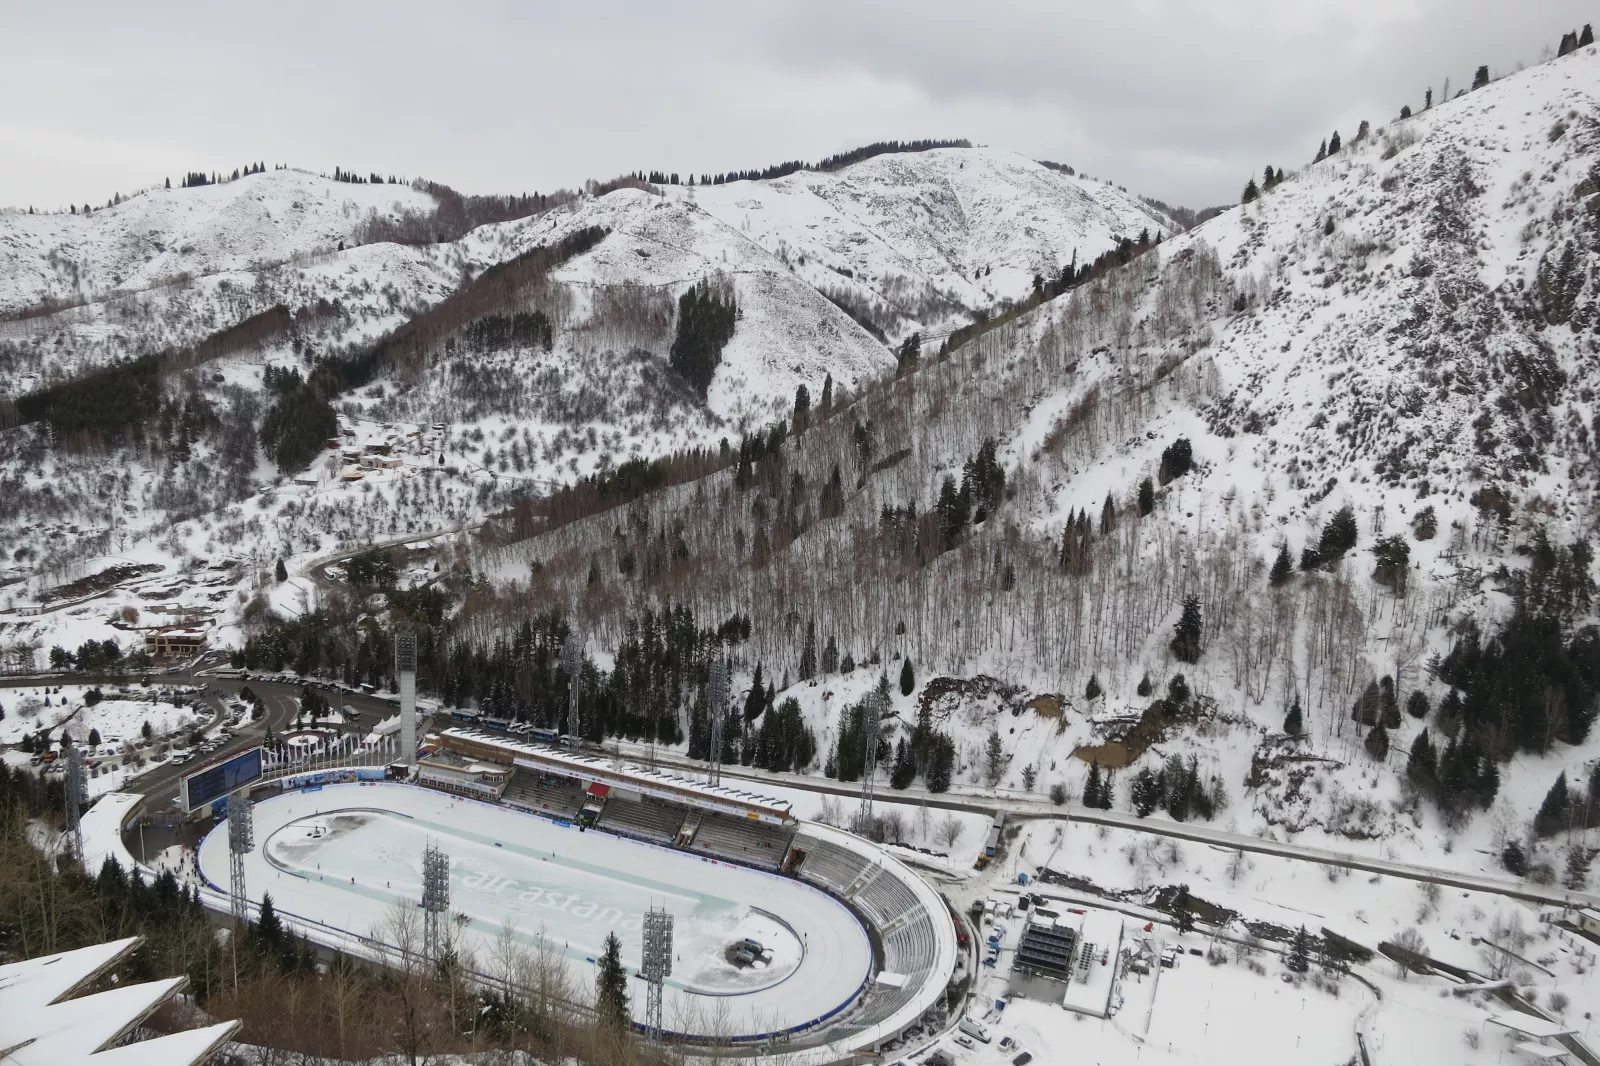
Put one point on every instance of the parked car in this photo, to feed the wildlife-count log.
(1022, 1059)
(965, 1041)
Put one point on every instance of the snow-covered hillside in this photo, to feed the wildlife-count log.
(931, 235)
(164, 235)
(1402, 330)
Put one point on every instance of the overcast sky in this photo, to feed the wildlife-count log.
(1177, 99)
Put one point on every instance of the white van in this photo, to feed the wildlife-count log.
(974, 1030)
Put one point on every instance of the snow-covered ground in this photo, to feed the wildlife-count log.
(117, 717)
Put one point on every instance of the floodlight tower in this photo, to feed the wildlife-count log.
(572, 663)
(717, 708)
(77, 793)
(241, 839)
(869, 764)
(655, 966)
(405, 668)
(435, 900)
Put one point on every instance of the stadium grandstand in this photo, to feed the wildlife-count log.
(913, 932)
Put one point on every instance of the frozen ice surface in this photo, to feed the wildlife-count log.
(342, 855)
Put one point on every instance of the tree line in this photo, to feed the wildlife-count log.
(781, 170)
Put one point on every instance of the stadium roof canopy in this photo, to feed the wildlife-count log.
(45, 1020)
(658, 784)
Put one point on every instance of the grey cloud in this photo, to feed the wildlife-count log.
(1180, 100)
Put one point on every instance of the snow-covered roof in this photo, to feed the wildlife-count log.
(1530, 1025)
(44, 1025)
(1542, 1052)
(652, 782)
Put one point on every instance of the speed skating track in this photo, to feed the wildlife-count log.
(339, 857)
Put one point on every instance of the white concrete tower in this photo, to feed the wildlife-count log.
(405, 668)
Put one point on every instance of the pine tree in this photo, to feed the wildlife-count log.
(801, 419)
(1294, 721)
(1333, 143)
(1338, 535)
(1377, 743)
(1427, 99)
(827, 396)
(1514, 859)
(1145, 687)
(994, 758)
(1282, 567)
(1091, 788)
(1091, 691)
(1299, 958)
(1586, 38)
(281, 573)
(1481, 77)
(905, 766)
(1405, 111)
(1147, 497)
(1552, 816)
(1422, 764)
(1185, 643)
(611, 986)
(830, 656)
(908, 678)
(1108, 516)
(756, 700)
(1269, 179)
(1417, 704)
(1322, 152)
(1577, 872)
(1250, 192)
(268, 931)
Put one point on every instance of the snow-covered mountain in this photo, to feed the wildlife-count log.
(930, 235)
(164, 236)
(1402, 329)
(268, 271)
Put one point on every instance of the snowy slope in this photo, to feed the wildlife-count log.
(1396, 329)
(916, 229)
(163, 234)
(1392, 343)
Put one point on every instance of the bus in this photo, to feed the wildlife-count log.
(992, 844)
(548, 736)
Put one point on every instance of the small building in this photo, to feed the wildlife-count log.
(1589, 920)
(451, 772)
(174, 642)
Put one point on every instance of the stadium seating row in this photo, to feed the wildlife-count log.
(561, 797)
(648, 820)
(749, 842)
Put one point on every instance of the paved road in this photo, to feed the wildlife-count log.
(161, 783)
(1023, 807)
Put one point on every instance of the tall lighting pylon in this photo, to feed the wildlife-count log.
(572, 662)
(655, 965)
(405, 671)
(717, 709)
(77, 792)
(435, 900)
(871, 719)
(241, 839)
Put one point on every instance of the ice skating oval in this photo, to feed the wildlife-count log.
(340, 858)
